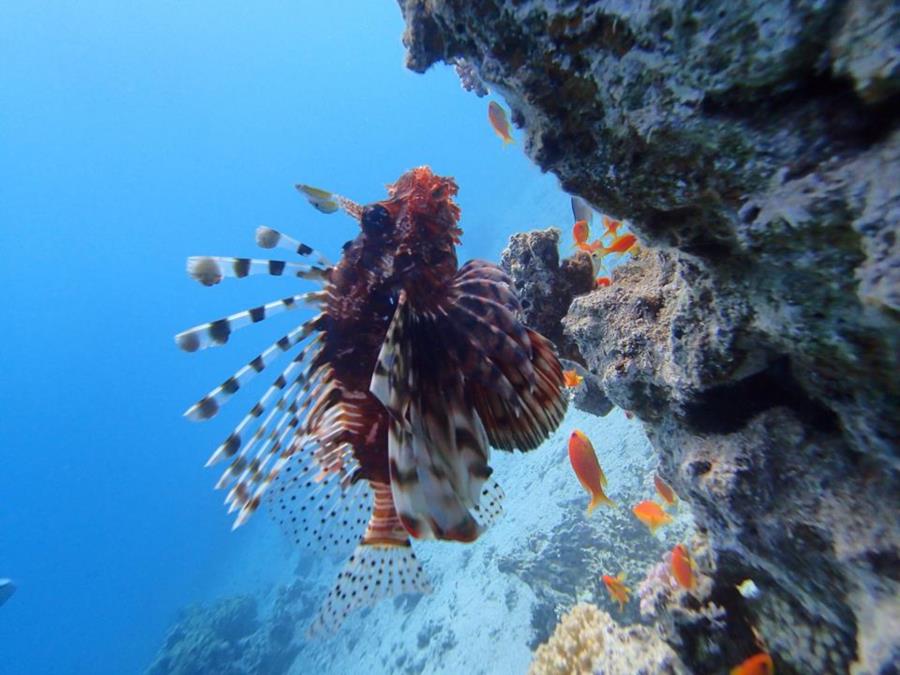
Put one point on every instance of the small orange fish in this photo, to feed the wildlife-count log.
(580, 232)
(603, 282)
(683, 566)
(759, 664)
(621, 244)
(594, 246)
(664, 489)
(617, 589)
(572, 378)
(651, 514)
(587, 468)
(611, 225)
(499, 122)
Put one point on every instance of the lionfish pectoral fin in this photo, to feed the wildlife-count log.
(382, 565)
(437, 446)
(486, 307)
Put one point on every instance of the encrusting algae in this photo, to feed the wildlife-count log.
(380, 427)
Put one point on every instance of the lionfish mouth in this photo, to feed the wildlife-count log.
(380, 427)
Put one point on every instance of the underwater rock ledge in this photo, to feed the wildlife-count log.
(755, 148)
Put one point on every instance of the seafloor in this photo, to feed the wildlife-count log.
(492, 603)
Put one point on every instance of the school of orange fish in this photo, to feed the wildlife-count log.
(581, 451)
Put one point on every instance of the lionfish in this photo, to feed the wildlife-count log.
(379, 429)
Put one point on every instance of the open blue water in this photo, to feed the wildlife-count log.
(131, 136)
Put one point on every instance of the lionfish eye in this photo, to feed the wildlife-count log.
(376, 220)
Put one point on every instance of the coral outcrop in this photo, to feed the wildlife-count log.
(754, 147)
(233, 637)
(588, 640)
(545, 285)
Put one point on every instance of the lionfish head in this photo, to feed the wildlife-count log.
(420, 221)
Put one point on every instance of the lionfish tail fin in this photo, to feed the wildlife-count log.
(383, 565)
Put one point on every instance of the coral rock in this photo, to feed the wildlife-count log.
(755, 149)
(588, 640)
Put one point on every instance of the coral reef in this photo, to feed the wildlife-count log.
(230, 637)
(589, 395)
(754, 146)
(545, 286)
(588, 640)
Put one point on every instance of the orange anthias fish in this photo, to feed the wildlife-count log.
(603, 282)
(617, 589)
(572, 378)
(664, 489)
(683, 566)
(651, 514)
(580, 232)
(587, 468)
(351, 446)
(594, 246)
(499, 121)
(759, 664)
(612, 226)
(621, 244)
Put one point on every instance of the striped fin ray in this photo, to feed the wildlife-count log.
(210, 270)
(502, 316)
(287, 404)
(255, 477)
(216, 333)
(208, 406)
(273, 438)
(482, 269)
(539, 411)
(266, 237)
(322, 442)
(496, 344)
(383, 565)
(485, 303)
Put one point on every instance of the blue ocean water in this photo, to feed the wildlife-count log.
(134, 135)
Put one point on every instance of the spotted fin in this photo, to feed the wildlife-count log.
(490, 506)
(318, 509)
(383, 565)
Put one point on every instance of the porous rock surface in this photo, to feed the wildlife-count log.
(545, 285)
(754, 146)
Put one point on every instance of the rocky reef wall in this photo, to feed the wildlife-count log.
(754, 147)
